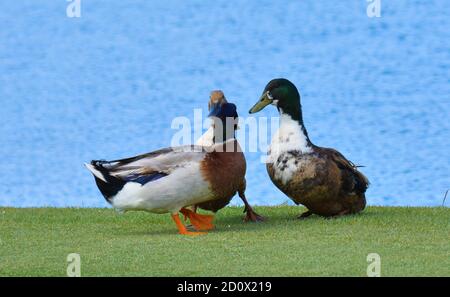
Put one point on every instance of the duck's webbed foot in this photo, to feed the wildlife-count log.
(182, 228)
(200, 222)
(252, 216)
(304, 215)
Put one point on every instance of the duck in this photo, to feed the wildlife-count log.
(171, 180)
(217, 100)
(320, 178)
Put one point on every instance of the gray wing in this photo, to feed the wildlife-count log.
(161, 162)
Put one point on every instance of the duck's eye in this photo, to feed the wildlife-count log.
(269, 95)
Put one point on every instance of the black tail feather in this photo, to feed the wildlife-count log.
(112, 185)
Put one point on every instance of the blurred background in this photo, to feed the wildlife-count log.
(107, 85)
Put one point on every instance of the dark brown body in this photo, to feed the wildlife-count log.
(324, 181)
(226, 172)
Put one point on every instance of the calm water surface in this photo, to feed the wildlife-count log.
(108, 85)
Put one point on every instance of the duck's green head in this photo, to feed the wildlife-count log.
(283, 94)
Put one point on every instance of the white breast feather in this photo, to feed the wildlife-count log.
(183, 187)
(289, 137)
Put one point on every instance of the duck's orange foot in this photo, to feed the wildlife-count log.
(199, 221)
(192, 233)
(182, 228)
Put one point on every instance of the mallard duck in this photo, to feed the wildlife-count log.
(217, 99)
(321, 179)
(171, 179)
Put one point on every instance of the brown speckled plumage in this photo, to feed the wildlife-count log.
(325, 182)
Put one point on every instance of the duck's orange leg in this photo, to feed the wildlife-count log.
(182, 228)
(199, 221)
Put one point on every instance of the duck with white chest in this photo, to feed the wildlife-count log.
(321, 179)
(171, 179)
(217, 99)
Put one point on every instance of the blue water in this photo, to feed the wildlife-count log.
(107, 85)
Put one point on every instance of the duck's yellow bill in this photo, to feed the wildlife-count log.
(265, 100)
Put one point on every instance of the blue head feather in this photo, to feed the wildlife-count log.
(223, 111)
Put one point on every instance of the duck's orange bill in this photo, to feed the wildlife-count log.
(199, 221)
(182, 228)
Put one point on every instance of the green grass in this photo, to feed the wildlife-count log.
(410, 241)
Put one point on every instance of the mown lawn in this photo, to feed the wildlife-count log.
(410, 242)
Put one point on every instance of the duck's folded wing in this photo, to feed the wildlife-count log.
(152, 166)
(352, 177)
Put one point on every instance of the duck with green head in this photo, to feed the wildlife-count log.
(321, 179)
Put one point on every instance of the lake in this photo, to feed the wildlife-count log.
(107, 85)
